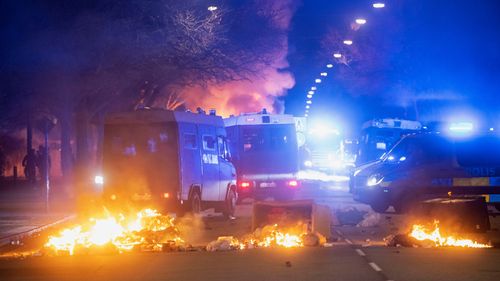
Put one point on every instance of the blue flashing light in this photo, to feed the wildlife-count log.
(461, 127)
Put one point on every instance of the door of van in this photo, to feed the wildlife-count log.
(226, 169)
(189, 147)
(210, 163)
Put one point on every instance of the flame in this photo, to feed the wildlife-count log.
(147, 228)
(268, 236)
(421, 233)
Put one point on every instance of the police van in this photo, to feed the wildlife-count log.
(379, 135)
(265, 154)
(172, 160)
(430, 165)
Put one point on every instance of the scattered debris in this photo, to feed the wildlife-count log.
(371, 219)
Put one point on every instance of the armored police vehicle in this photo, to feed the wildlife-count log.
(379, 135)
(265, 154)
(431, 165)
(172, 160)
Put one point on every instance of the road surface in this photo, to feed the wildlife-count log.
(358, 254)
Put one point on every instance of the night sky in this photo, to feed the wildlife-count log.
(425, 59)
(443, 54)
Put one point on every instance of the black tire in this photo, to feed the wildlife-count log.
(379, 207)
(405, 205)
(230, 203)
(195, 202)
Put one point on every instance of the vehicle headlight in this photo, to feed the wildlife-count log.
(374, 180)
(99, 180)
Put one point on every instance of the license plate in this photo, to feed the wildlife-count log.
(267, 184)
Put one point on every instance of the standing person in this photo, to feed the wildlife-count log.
(29, 164)
(40, 161)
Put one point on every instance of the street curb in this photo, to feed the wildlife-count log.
(7, 240)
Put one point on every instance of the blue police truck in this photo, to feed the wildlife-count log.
(173, 160)
(265, 154)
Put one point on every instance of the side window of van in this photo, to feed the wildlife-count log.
(190, 141)
(223, 148)
(209, 142)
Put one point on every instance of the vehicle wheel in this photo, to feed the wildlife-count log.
(497, 206)
(195, 203)
(379, 207)
(230, 203)
(404, 205)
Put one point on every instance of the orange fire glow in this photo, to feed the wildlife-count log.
(421, 233)
(146, 229)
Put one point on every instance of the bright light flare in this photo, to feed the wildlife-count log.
(337, 55)
(212, 8)
(360, 21)
(99, 180)
(378, 5)
(421, 233)
(313, 88)
(461, 127)
(311, 92)
(348, 42)
(329, 65)
(309, 96)
(324, 74)
(317, 80)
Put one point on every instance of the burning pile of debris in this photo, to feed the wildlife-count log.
(269, 236)
(424, 236)
(146, 230)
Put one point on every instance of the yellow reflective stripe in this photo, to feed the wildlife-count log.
(471, 181)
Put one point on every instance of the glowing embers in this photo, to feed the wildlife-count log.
(145, 230)
(434, 235)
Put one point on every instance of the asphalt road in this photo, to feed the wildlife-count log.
(359, 254)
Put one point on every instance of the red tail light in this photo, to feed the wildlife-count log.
(245, 184)
(293, 183)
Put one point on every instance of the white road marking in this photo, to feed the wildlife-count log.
(375, 266)
(338, 232)
(360, 252)
(348, 241)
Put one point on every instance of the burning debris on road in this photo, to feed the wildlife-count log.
(424, 236)
(269, 236)
(146, 230)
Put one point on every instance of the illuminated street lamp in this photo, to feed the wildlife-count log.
(309, 96)
(311, 92)
(308, 106)
(348, 42)
(360, 21)
(212, 8)
(378, 5)
(313, 88)
(324, 74)
(329, 65)
(309, 102)
(317, 80)
(337, 55)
